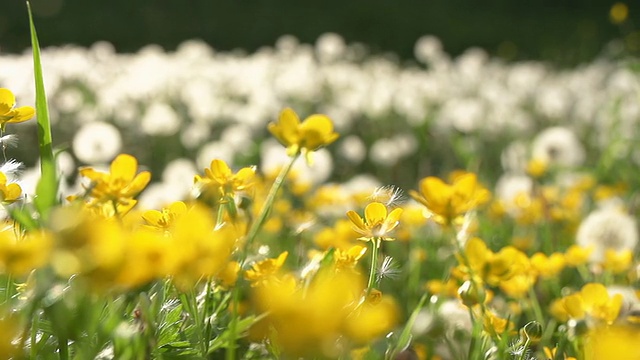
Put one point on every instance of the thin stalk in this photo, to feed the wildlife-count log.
(375, 246)
(251, 235)
(268, 204)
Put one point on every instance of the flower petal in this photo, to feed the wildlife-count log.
(7, 101)
(356, 220)
(375, 213)
(22, 113)
(124, 167)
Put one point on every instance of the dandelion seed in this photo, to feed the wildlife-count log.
(389, 195)
(9, 141)
(11, 168)
(389, 269)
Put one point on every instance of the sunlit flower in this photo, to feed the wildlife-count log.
(120, 185)
(612, 342)
(607, 228)
(303, 137)
(220, 180)
(164, 219)
(558, 146)
(594, 301)
(447, 203)
(265, 270)
(377, 222)
(10, 192)
(8, 111)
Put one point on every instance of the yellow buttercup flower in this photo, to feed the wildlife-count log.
(120, 185)
(166, 217)
(447, 203)
(265, 270)
(303, 137)
(594, 301)
(377, 221)
(220, 180)
(9, 192)
(8, 111)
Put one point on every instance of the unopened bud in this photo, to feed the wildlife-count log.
(532, 330)
(471, 294)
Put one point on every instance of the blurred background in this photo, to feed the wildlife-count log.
(415, 88)
(566, 32)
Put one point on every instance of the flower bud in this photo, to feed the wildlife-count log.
(471, 294)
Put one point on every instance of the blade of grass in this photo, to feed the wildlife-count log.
(47, 188)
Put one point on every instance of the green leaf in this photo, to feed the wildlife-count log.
(47, 188)
(405, 336)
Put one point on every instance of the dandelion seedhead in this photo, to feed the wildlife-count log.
(389, 195)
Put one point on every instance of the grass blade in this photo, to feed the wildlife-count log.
(47, 188)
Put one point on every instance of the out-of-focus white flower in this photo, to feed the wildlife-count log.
(607, 228)
(96, 142)
(194, 135)
(353, 149)
(238, 137)
(558, 146)
(157, 195)
(273, 157)
(214, 150)
(330, 47)
(179, 174)
(383, 152)
(514, 157)
(160, 119)
(428, 48)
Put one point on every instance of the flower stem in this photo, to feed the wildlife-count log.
(266, 209)
(375, 245)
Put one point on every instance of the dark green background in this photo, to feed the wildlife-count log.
(564, 31)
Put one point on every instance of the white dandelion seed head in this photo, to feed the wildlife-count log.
(455, 315)
(160, 120)
(96, 142)
(195, 134)
(607, 228)
(558, 146)
(353, 149)
(330, 47)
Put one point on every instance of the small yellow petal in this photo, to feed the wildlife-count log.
(22, 113)
(124, 167)
(7, 101)
(375, 213)
(356, 219)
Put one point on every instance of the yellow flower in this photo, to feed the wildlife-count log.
(10, 192)
(348, 259)
(593, 300)
(18, 256)
(303, 137)
(265, 270)
(548, 266)
(120, 185)
(550, 354)
(449, 202)
(8, 111)
(612, 342)
(220, 180)
(577, 255)
(617, 261)
(164, 219)
(377, 222)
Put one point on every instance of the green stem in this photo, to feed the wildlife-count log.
(375, 245)
(251, 235)
(266, 209)
(523, 353)
(63, 347)
(535, 304)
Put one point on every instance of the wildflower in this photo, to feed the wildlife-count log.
(120, 185)
(8, 111)
(558, 146)
(20, 255)
(617, 261)
(96, 142)
(548, 266)
(607, 228)
(612, 342)
(165, 218)
(550, 354)
(447, 203)
(593, 301)
(220, 180)
(377, 222)
(264, 270)
(348, 259)
(9, 192)
(303, 137)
